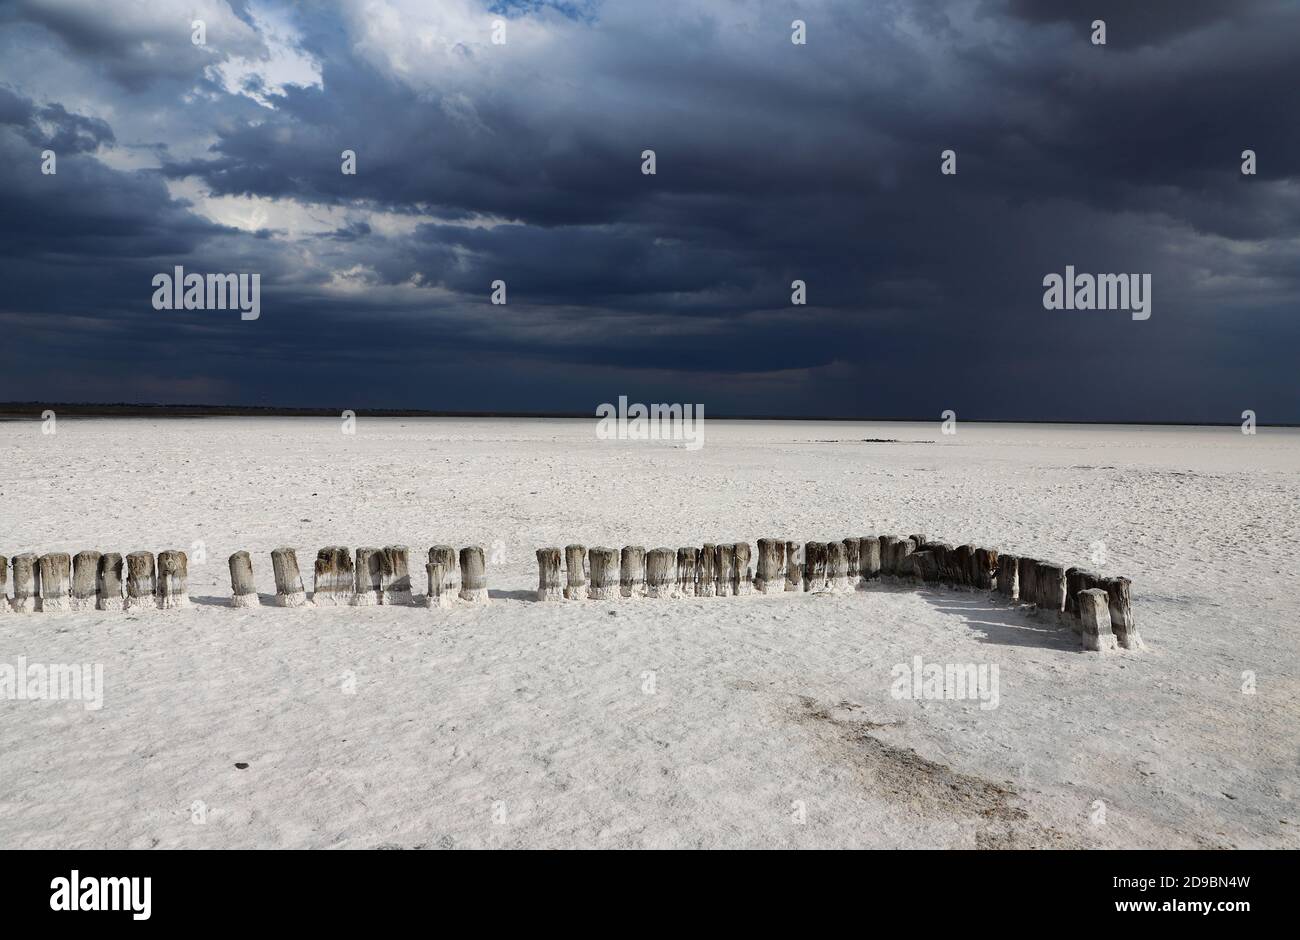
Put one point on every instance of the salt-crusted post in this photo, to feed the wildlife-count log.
(243, 590)
(767, 580)
(888, 555)
(445, 555)
(687, 562)
(173, 577)
(903, 550)
(333, 577)
(140, 582)
(869, 557)
(852, 558)
(397, 584)
(85, 573)
(550, 587)
(108, 582)
(56, 582)
(923, 566)
(370, 577)
(724, 570)
(27, 583)
(793, 566)
(706, 571)
(437, 594)
(1119, 597)
(963, 566)
(837, 567)
(4, 581)
(631, 577)
(575, 565)
(1028, 580)
(1094, 617)
(604, 574)
(814, 566)
(1009, 577)
(661, 573)
(1077, 580)
(473, 575)
(1051, 587)
(986, 566)
(289, 591)
(743, 581)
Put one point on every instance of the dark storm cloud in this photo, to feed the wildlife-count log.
(775, 162)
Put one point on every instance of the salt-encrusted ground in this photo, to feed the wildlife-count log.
(527, 724)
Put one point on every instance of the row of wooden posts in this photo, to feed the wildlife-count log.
(1098, 608)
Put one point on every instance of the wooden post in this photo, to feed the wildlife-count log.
(963, 566)
(370, 577)
(986, 566)
(1094, 617)
(918, 540)
(4, 582)
(85, 572)
(903, 550)
(56, 582)
(140, 582)
(923, 565)
(575, 564)
(814, 566)
(334, 581)
(604, 574)
(888, 556)
(243, 590)
(1119, 598)
(397, 585)
(767, 580)
(1028, 580)
(550, 586)
(661, 573)
(1077, 580)
(108, 582)
(473, 575)
(853, 559)
(869, 557)
(687, 562)
(743, 582)
(173, 580)
(631, 578)
(1009, 577)
(793, 566)
(706, 573)
(27, 583)
(437, 595)
(1051, 587)
(724, 569)
(289, 591)
(445, 555)
(837, 567)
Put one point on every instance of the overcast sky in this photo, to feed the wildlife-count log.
(522, 162)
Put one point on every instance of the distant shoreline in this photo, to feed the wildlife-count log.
(31, 411)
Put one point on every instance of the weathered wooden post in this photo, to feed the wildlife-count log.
(4, 585)
(869, 557)
(437, 595)
(243, 589)
(27, 583)
(289, 591)
(793, 566)
(550, 586)
(604, 574)
(923, 565)
(661, 572)
(724, 569)
(1028, 580)
(108, 582)
(1051, 587)
(473, 575)
(1119, 598)
(767, 580)
(85, 573)
(334, 581)
(837, 567)
(1077, 580)
(986, 566)
(743, 581)
(918, 540)
(173, 580)
(888, 556)
(687, 563)
(853, 561)
(814, 566)
(370, 577)
(1094, 617)
(140, 582)
(903, 550)
(631, 578)
(56, 582)
(963, 566)
(1009, 577)
(706, 573)
(397, 586)
(575, 564)
(446, 556)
